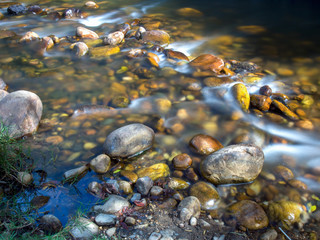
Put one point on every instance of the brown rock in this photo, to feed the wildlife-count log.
(283, 173)
(182, 161)
(206, 193)
(204, 144)
(104, 51)
(189, 12)
(80, 48)
(86, 33)
(261, 102)
(100, 164)
(247, 214)
(265, 90)
(29, 36)
(191, 175)
(175, 55)
(208, 62)
(156, 37)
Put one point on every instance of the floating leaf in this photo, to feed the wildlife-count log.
(315, 197)
(313, 208)
(116, 171)
(39, 201)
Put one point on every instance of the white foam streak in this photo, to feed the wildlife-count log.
(187, 47)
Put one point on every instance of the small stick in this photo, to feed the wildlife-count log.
(284, 233)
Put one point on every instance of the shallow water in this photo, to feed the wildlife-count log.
(286, 39)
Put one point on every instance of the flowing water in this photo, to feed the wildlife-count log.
(284, 43)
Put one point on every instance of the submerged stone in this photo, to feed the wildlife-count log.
(104, 51)
(189, 207)
(241, 95)
(129, 140)
(206, 193)
(156, 37)
(233, 164)
(101, 163)
(155, 171)
(204, 144)
(208, 62)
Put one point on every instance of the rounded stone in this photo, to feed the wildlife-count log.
(86, 33)
(182, 161)
(84, 229)
(80, 49)
(156, 37)
(129, 140)
(24, 178)
(129, 175)
(105, 219)
(100, 164)
(206, 194)
(248, 214)
(114, 38)
(50, 224)
(113, 205)
(204, 144)
(270, 234)
(156, 191)
(189, 207)
(21, 112)
(177, 184)
(233, 164)
(260, 102)
(144, 185)
(208, 62)
(265, 90)
(125, 187)
(283, 173)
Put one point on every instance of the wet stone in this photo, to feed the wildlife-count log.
(95, 188)
(80, 49)
(3, 85)
(129, 140)
(283, 173)
(175, 55)
(129, 175)
(155, 236)
(16, 9)
(189, 207)
(72, 13)
(265, 90)
(182, 161)
(104, 51)
(284, 110)
(155, 171)
(244, 163)
(270, 234)
(35, 9)
(248, 214)
(105, 219)
(204, 144)
(76, 173)
(91, 5)
(3, 93)
(177, 184)
(130, 221)
(260, 102)
(29, 36)
(189, 12)
(156, 191)
(144, 185)
(206, 193)
(100, 164)
(50, 224)
(191, 174)
(208, 62)
(156, 37)
(241, 95)
(86, 33)
(114, 38)
(125, 187)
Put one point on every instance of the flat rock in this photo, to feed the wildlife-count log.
(208, 62)
(21, 112)
(86, 33)
(233, 164)
(156, 37)
(155, 171)
(105, 219)
(113, 205)
(128, 140)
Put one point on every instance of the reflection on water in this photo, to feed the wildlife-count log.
(285, 45)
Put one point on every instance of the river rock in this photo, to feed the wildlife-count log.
(189, 12)
(95, 188)
(84, 229)
(105, 219)
(233, 164)
(50, 224)
(182, 161)
(21, 112)
(144, 185)
(206, 194)
(155, 171)
(156, 191)
(189, 207)
(86, 33)
(284, 110)
(104, 51)
(175, 55)
(271, 234)
(208, 62)
(129, 140)
(265, 90)
(177, 184)
(91, 5)
(113, 205)
(283, 173)
(241, 95)
(29, 36)
(100, 164)
(125, 187)
(16, 9)
(204, 144)
(24, 178)
(3, 93)
(3, 85)
(248, 214)
(114, 38)
(260, 102)
(76, 173)
(129, 175)
(156, 37)
(80, 49)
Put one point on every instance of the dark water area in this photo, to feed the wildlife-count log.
(281, 37)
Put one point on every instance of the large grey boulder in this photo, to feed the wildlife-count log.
(21, 113)
(128, 140)
(233, 164)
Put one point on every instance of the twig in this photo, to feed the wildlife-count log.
(284, 233)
